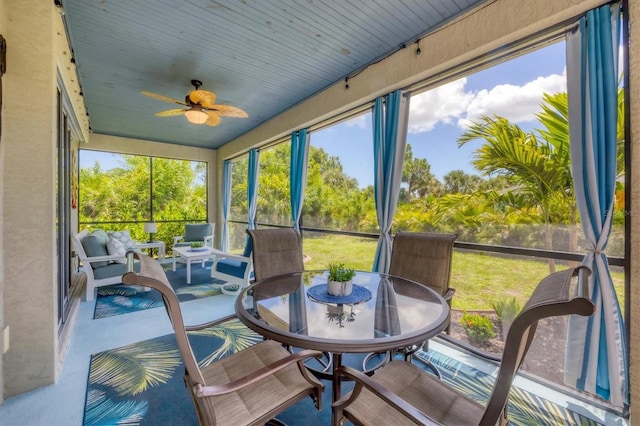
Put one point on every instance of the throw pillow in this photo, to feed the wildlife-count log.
(115, 248)
(100, 235)
(93, 247)
(124, 238)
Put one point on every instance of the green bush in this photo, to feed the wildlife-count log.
(479, 328)
(506, 310)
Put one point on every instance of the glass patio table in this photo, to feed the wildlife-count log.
(384, 312)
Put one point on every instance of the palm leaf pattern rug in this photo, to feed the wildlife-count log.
(121, 299)
(141, 384)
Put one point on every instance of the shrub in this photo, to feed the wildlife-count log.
(479, 328)
(506, 310)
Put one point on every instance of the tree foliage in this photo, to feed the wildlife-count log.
(123, 195)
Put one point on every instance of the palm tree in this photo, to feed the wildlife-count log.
(539, 169)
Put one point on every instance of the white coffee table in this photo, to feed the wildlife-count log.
(189, 255)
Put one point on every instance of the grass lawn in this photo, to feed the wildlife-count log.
(480, 279)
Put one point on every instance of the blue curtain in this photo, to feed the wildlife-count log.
(226, 203)
(596, 350)
(298, 174)
(389, 142)
(252, 187)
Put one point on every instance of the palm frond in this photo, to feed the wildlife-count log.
(118, 304)
(235, 336)
(102, 411)
(132, 369)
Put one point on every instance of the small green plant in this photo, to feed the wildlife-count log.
(479, 328)
(197, 244)
(338, 272)
(506, 309)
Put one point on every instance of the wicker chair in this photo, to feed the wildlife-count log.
(249, 387)
(276, 252)
(402, 393)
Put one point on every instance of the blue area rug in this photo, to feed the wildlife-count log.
(141, 384)
(121, 299)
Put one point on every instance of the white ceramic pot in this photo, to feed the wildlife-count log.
(337, 288)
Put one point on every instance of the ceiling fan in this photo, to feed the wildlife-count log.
(202, 107)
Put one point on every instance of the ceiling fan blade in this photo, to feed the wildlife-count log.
(229, 111)
(170, 112)
(203, 98)
(214, 119)
(163, 98)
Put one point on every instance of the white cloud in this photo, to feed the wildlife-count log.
(444, 103)
(452, 103)
(516, 103)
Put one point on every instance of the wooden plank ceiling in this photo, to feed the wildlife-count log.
(262, 56)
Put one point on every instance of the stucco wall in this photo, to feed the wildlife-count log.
(37, 51)
(28, 202)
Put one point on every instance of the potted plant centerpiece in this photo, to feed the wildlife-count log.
(197, 246)
(340, 279)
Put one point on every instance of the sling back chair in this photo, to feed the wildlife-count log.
(401, 393)
(276, 252)
(426, 259)
(249, 387)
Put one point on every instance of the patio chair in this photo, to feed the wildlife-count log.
(248, 387)
(402, 393)
(235, 269)
(424, 258)
(102, 264)
(195, 233)
(276, 252)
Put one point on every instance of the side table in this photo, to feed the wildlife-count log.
(154, 244)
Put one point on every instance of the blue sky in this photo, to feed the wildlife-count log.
(512, 89)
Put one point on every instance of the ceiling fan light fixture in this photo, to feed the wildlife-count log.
(196, 115)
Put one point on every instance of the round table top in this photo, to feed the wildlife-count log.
(398, 313)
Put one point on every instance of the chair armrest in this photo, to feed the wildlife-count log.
(268, 370)
(233, 257)
(208, 324)
(104, 258)
(449, 294)
(362, 380)
(208, 239)
(470, 348)
(178, 238)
